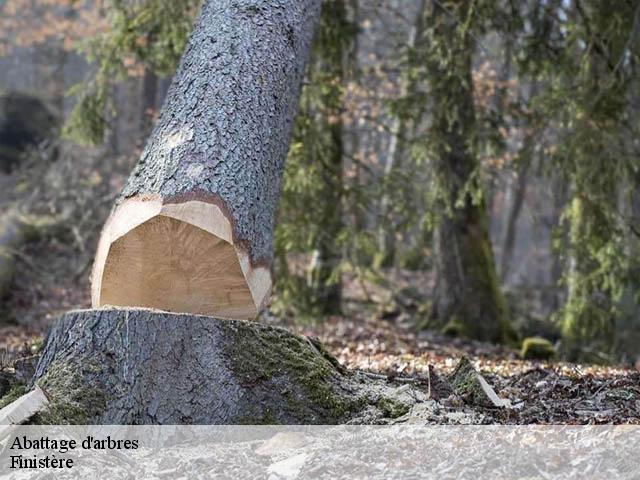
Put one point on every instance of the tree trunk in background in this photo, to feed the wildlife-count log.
(193, 229)
(149, 100)
(357, 212)
(396, 150)
(587, 308)
(500, 101)
(467, 299)
(323, 277)
(598, 266)
(559, 189)
(163, 87)
(518, 190)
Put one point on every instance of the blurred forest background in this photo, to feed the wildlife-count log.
(465, 168)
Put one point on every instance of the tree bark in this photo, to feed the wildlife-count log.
(518, 190)
(148, 367)
(560, 193)
(12, 237)
(193, 228)
(467, 299)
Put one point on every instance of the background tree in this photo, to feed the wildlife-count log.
(599, 163)
(467, 298)
(589, 73)
(312, 217)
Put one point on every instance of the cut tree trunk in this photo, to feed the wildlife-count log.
(142, 366)
(193, 229)
(149, 367)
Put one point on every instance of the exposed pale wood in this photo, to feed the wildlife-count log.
(22, 409)
(491, 393)
(177, 257)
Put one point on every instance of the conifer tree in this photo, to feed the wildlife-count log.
(467, 298)
(311, 212)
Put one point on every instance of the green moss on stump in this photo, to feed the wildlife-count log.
(72, 401)
(265, 358)
(537, 348)
(465, 382)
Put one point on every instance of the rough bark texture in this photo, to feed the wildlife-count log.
(224, 130)
(467, 298)
(147, 367)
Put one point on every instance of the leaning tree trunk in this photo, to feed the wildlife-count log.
(193, 229)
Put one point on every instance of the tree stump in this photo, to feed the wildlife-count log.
(148, 367)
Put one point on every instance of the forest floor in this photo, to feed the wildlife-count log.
(539, 392)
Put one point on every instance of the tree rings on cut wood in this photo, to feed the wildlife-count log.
(176, 257)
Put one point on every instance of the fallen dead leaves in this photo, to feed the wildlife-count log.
(538, 392)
